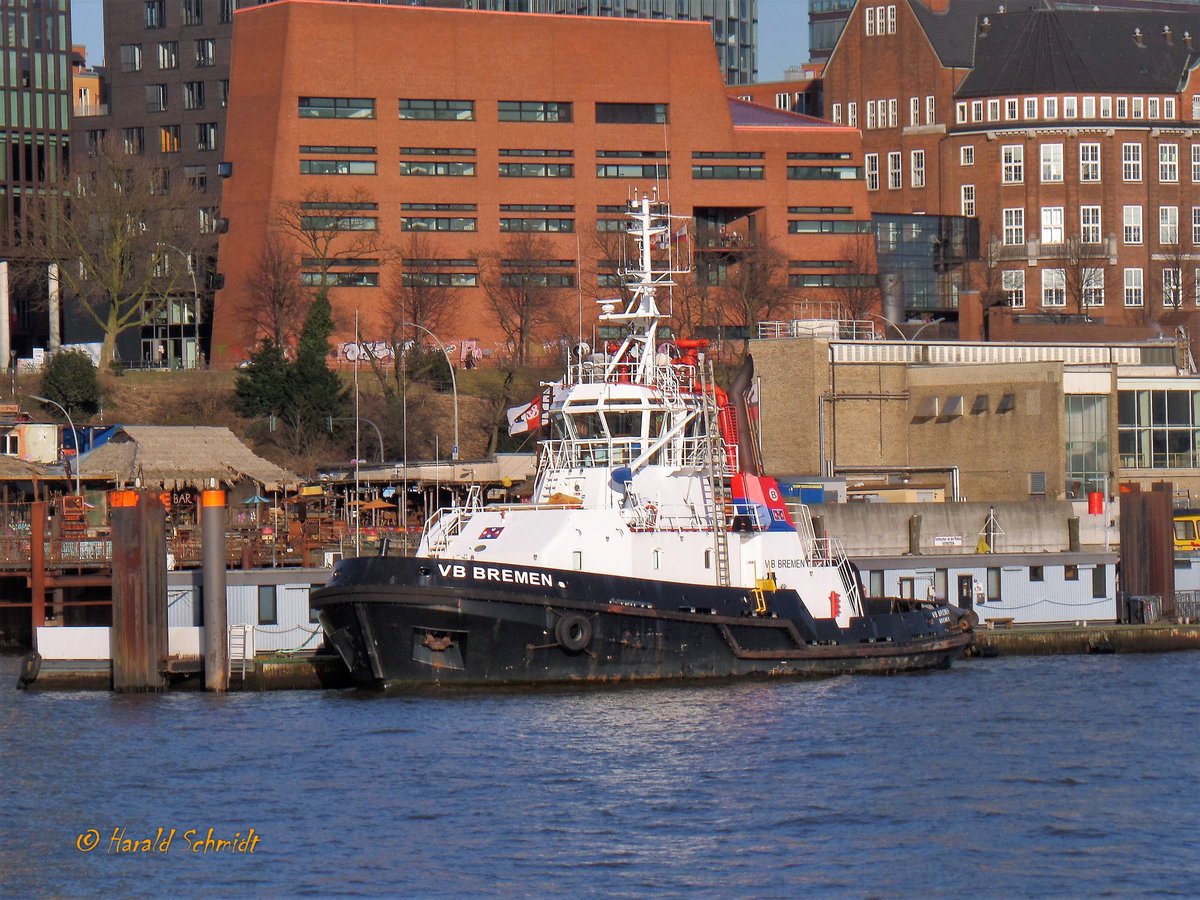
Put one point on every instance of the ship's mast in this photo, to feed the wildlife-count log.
(650, 227)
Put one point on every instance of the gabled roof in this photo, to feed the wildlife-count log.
(180, 456)
(746, 113)
(951, 32)
(1042, 50)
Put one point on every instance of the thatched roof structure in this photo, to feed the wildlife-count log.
(179, 457)
(14, 469)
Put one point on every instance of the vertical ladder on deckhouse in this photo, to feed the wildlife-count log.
(719, 494)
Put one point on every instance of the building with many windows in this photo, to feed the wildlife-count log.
(460, 168)
(1069, 135)
(35, 106)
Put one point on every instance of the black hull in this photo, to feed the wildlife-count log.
(401, 623)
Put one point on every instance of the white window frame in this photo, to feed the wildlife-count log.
(1050, 107)
(837, 113)
(993, 110)
(1090, 231)
(1131, 219)
(1196, 224)
(1087, 108)
(871, 170)
(1168, 107)
(1012, 284)
(893, 113)
(1031, 106)
(1135, 292)
(1012, 164)
(1131, 162)
(1070, 107)
(1054, 288)
(916, 168)
(1012, 109)
(1168, 163)
(1053, 225)
(968, 200)
(1052, 163)
(1089, 162)
(1137, 107)
(891, 20)
(966, 155)
(1014, 226)
(914, 111)
(895, 174)
(852, 114)
(869, 21)
(1172, 287)
(1092, 287)
(960, 113)
(976, 110)
(930, 109)
(1106, 107)
(1168, 224)
(1152, 108)
(1122, 107)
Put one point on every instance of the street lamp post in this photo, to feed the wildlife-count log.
(453, 380)
(78, 492)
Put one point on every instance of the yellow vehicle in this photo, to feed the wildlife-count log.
(1187, 529)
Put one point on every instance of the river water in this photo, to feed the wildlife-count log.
(1013, 777)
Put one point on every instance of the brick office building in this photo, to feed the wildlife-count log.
(1070, 136)
(466, 147)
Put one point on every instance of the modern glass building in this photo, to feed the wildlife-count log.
(734, 22)
(35, 99)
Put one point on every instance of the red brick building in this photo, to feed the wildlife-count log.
(427, 139)
(1071, 136)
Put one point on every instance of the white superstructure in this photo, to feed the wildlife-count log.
(643, 477)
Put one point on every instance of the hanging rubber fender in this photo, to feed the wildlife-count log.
(573, 632)
(30, 667)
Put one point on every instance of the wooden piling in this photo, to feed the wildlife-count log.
(139, 629)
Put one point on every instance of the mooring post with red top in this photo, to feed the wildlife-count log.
(216, 615)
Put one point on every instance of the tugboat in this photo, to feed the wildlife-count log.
(653, 546)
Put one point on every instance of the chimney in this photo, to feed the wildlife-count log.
(1137, 37)
(1167, 35)
(1187, 40)
(984, 27)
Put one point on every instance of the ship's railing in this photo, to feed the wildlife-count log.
(671, 378)
(445, 524)
(687, 452)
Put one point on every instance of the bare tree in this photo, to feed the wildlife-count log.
(522, 290)
(858, 290)
(1083, 273)
(755, 284)
(112, 228)
(276, 300)
(418, 298)
(1176, 276)
(333, 232)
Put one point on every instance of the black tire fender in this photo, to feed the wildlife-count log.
(573, 632)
